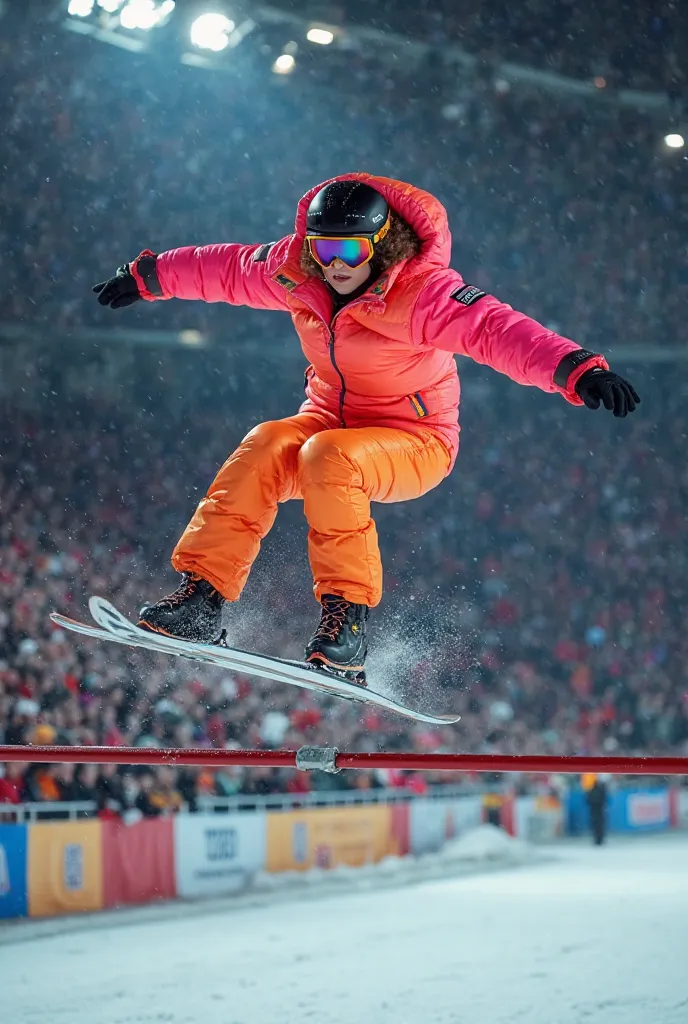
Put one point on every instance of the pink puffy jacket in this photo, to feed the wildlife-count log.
(388, 357)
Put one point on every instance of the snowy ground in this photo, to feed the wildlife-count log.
(597, 937)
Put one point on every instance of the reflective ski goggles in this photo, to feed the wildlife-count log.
(354, 251)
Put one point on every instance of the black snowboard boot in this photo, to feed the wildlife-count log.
(339, 644)
(192, 612)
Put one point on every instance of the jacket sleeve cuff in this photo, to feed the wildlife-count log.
(570, 370)
(142, 269)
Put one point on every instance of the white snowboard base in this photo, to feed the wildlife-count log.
(113, 626)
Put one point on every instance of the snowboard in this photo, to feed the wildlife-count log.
(113, 626)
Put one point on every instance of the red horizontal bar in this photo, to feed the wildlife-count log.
(540, 763)
(189, 756)
(210, 758)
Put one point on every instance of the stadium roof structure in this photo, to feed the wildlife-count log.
(318, 26)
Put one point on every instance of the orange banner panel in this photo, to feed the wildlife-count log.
(328, 837)
(65, 872)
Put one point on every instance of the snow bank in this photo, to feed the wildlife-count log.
(487, 843)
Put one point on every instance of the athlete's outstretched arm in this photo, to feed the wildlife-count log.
(461, 318)
(226, 272)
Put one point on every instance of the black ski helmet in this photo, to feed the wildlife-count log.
(346, 208)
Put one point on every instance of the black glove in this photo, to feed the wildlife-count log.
(120, 290)
(598, 385)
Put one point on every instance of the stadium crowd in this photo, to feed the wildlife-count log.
(540, 592)
(635, 44)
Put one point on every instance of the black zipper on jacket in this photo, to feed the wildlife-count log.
(342, 393)
(333, 358)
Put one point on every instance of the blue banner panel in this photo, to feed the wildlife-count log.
(628, 810)
(13, 846)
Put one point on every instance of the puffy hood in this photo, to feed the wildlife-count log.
(422, 211)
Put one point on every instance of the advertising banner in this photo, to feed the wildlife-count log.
(680, 815)
(466, 813)
(400, 824)
(216, 853)
(429, 825)
(13, 871)
(138, 861)
(65, 868)
(635, 810)
(329, 836)
(647, 810)
(433, 822)
(538, 819)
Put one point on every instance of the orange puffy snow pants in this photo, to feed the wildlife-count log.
(337, 473)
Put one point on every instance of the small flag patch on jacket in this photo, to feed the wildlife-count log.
(467, 294)
(285, 281)
(418, 404)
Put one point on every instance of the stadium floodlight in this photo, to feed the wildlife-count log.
(322, 36)
(80, 8)
(284, 64)
(211, 31)
(145, 14)
(110, 6)
(673, 140)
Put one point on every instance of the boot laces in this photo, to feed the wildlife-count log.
(185, 589)
(333, 617)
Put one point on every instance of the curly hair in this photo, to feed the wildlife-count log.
(400, 243)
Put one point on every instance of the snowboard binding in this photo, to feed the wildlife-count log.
(358, 677)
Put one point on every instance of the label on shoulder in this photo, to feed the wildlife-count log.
(467, 294)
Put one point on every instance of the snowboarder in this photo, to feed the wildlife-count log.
(379, 313)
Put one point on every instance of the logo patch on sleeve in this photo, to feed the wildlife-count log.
(467, 294)
(260, 255)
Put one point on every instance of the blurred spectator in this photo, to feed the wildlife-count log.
(109, 791)
(163, 794)
(85, 784)
(64, 776)
(12, 785)
(149, 807)
(596, 792)
(43, 783)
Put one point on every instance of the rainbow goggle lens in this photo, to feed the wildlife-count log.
(354, 251)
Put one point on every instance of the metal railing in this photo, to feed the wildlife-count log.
(48, 810)
(73, 811)
(330, 798)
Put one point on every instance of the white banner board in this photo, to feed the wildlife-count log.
(218, 853)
